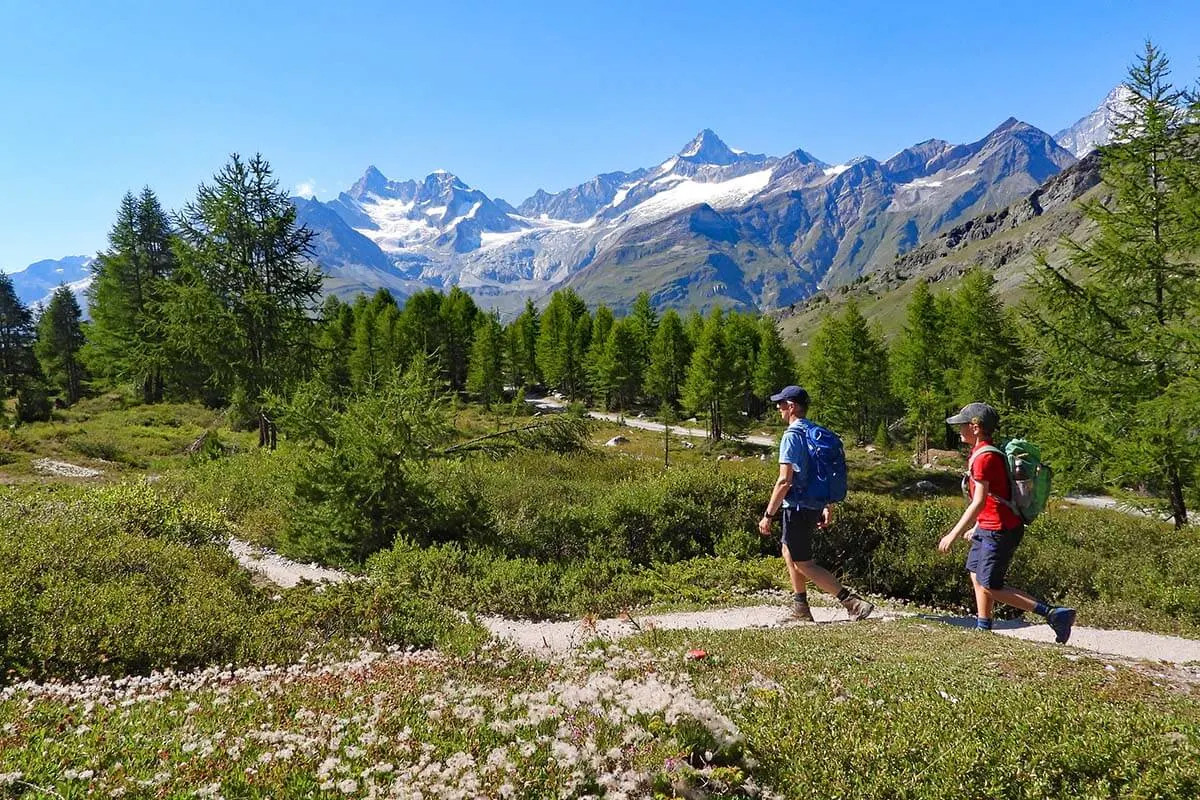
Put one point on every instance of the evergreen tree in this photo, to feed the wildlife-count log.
(644, 320)
(919, 363)
(1119, 365)
(253, 259)
(575, 346)
(617, 369)
(364, 369)
(986, 361)
(707, 388)
(485, 375)
(335, 339)
(742, 344)
(594, 364)
(391, 352)
(776, 367)
(847, 373)
(670, 355)
(59, 339)
(125, 341)
(523, 346)
(559, 358)
(458, 314)
(421, 326)
(17, 334)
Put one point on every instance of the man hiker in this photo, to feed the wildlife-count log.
(802, 513)
(993, 527)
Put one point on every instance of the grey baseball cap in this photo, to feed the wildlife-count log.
(982, 413)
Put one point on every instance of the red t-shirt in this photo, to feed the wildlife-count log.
(990, 467)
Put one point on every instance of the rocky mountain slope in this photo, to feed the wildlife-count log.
(1005, 242)
(708, 226)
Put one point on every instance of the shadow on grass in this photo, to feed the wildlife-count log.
(969, 622)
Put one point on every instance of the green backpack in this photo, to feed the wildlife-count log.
(1028, 477)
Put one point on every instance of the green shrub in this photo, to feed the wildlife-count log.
(33, 403)
(129, 579)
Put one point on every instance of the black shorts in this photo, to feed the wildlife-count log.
(990, 554)
(799, 524)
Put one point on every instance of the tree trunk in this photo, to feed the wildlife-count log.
(1178, 509)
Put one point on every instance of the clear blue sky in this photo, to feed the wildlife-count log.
(98, 98)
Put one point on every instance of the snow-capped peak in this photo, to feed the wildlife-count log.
(707, 148)
(1096, 128)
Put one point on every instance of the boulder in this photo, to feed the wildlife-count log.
(616, 440)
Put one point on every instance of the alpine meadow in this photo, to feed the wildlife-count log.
(412, 492)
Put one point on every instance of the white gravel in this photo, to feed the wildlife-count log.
(64, 470)
(282, 571)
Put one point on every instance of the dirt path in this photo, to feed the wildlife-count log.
(279, 570)
(554, 404)
(553, 638)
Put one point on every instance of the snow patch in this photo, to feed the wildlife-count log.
(688, 193)
(836, 169)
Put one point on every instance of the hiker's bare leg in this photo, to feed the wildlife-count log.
(984, 604)
(1013, 597)
(795, 574)
(821, 577)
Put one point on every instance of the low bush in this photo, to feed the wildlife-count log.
(485, 581)
(127, 579)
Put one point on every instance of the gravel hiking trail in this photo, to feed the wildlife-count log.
(560, 638)
(557, 638)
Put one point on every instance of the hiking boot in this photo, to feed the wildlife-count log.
(801, 611)
(1061, 619)
(857, 608)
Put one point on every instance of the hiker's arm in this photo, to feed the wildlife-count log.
(967, 521)
(777, 494)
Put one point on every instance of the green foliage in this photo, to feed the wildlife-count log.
(986, 363)
(920, 364)
(59, 340)
(128, 578)
(1119, 367)
(882, 439)
(248, 277)
(776, 367)
(670, 354)
(125, 298)
(362, 479)
(485, 375)
(708, 388)
(522, 347)
(458, 313)
(33, 402)
(17, 334)
(847, 374)
(564, 334)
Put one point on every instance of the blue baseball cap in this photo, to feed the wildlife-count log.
(793, 394)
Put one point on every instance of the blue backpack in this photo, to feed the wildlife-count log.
(826, 463)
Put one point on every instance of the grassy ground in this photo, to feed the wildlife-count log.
(896, 710)
(113, 434)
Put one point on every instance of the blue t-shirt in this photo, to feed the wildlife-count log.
(793, 450)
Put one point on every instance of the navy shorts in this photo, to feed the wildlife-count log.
(990, 554)
(799, 524)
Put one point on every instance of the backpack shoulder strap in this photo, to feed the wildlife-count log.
(991, 448)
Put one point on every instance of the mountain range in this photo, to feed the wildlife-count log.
(709, 225)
